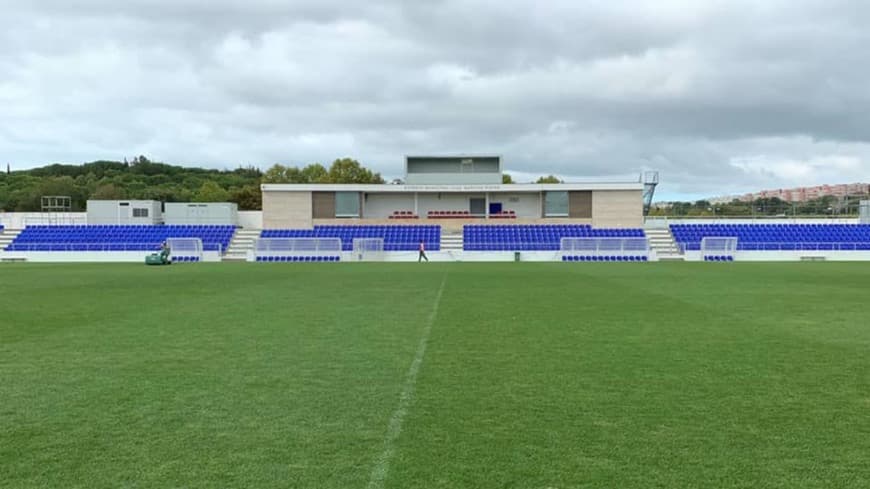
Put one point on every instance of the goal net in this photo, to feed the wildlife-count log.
(605, 247)
(297, 248)
(368, 249)
(185, 249)
(715, 248)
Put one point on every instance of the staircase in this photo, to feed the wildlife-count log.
(662, 242)
(241, 244)
(451, 241)
(7, 236)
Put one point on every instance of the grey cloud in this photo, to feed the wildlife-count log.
(720, 96)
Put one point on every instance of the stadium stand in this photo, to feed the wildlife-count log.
(396, 238)
(777, 237)
(534, 237)
(116, 238)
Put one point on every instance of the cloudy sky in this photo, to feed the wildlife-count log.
(719, 96)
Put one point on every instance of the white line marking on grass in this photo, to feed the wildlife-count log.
(394, 427)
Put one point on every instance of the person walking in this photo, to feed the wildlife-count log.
(422, 255)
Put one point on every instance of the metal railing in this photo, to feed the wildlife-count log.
(211, 246)
(786, 246)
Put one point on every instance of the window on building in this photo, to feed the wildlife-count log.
(140, 212)
(347, 204)
(556, 204)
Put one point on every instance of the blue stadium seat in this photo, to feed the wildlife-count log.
(777, 237)
(533, 237)
(118, 237)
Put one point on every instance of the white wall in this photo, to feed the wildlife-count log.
(381, 206)
(251, 219)
(446, 202)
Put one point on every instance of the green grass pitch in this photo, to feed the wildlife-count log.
(510, 375)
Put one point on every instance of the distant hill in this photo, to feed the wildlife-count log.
(22, 191)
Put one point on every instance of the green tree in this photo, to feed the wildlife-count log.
(279, 173)
(211, 192)
(347, 170)
(506, 178)
(249, 198)
(314, 173)
(549, 179)
(108, 191)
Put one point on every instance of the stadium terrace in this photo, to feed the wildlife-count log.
(449, 208)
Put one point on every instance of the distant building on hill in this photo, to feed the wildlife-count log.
(801, 194)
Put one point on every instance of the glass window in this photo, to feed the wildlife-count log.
(347, 204)
(140, 212)
(556, 204)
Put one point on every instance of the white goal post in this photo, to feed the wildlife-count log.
(719, 246)
(368, 249)
(297, 247)
(604, 247)
(185, 249)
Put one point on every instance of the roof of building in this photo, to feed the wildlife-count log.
(458, 188)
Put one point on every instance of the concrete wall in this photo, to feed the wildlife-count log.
(447, 225)
(251, 219)
(381, 206)
(286, 210)
(444, 202)
(617, 209)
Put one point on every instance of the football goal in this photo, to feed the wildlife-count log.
(297, 247)
(185, 249)
(604, 247)
(368, 249)
(715, 248)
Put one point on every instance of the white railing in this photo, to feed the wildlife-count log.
(98, 247)
(604, 246)
(297, 246)
(787, 246)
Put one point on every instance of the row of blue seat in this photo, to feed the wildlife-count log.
(295, 259)
(129, 226)
(606, 258)
(117, 237)
(524, 237)
(132, 246)
(719, 258)
(185, 259)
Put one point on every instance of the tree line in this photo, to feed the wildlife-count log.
(143, 179)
